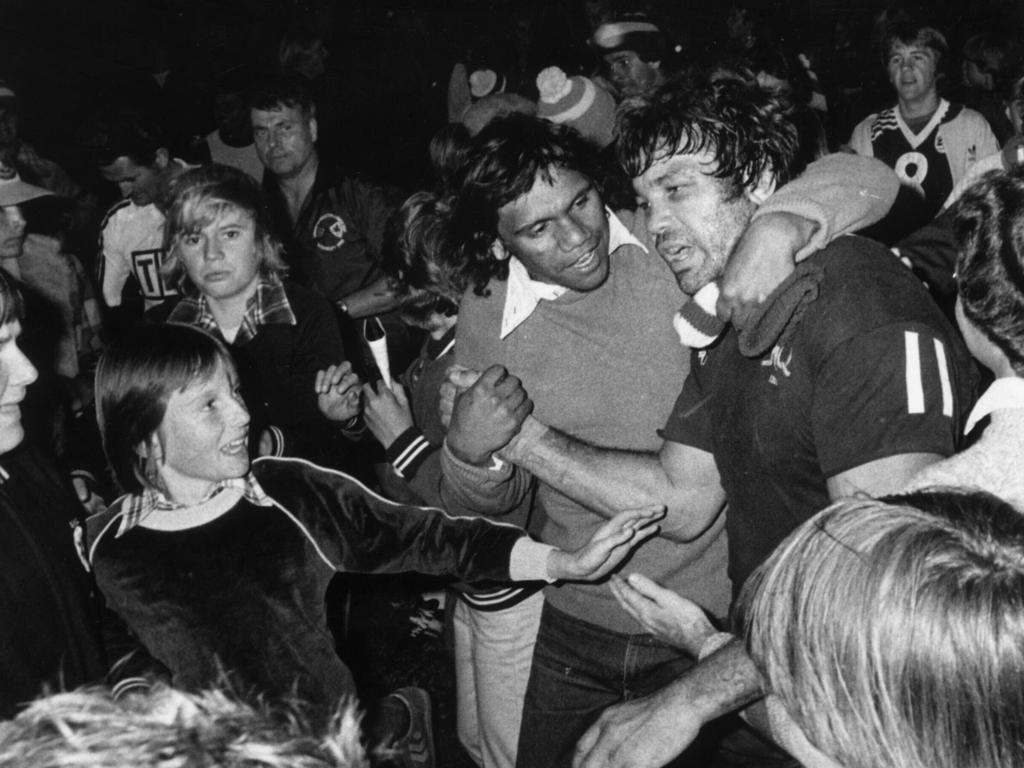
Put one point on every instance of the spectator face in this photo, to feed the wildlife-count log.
(16, 373)
(559, 231)
(975, 76)
(12, 231)
(141, 183)
(912, 71)
(203, 438)
(221, 258)
(631, 74)
(694, 225)
(285, 140)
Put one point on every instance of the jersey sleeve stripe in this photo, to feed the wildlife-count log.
(947, 387)
(915, 386)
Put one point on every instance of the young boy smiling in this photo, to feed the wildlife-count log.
(220, 567)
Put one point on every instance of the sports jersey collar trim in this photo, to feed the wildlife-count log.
(917, 139)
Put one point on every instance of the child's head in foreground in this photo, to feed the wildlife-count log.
(169, 412)
(890, 633)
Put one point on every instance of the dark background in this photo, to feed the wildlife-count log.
(390, 59)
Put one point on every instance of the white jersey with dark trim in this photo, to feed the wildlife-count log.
(132, 243)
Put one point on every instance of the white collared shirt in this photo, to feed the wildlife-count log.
(1007, 392)
(523, 293)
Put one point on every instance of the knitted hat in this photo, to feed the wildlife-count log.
(577, 101)
(482, 111)
(484, 82)
(630, 33)
(696, 323)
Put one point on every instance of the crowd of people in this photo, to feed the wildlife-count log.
(697, 377)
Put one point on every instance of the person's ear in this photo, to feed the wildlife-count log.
(654, 64)
(763, 189)
(162, 158)
(314, 128)
(499, 251)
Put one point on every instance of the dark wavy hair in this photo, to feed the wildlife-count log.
(988, 223)
(504, 161)
(749, 131)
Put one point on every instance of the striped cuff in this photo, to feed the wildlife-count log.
(130, 685)
(529, 561)
(408, 452)
(276, 441)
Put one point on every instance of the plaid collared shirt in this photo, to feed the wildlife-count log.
(266, 306)
(139, 505)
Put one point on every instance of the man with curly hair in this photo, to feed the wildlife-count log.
(571, 300)
(848, 379)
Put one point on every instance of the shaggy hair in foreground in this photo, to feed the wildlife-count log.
(166, 728)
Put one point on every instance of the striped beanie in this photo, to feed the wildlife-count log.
(578, 102)
(696, 323)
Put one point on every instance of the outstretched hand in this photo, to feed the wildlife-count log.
(337, 389)
(665, 614)
(608, 547)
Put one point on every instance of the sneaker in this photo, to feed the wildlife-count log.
(416, 748)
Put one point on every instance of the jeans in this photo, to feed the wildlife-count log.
(579, 669)
(493, 653)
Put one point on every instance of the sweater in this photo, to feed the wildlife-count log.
(605, 367)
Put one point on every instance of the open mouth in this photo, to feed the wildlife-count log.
(586, 261)
(235, 447)
(675, 253)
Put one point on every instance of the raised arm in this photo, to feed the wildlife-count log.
(836, 195)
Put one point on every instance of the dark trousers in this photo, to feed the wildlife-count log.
(579, 669)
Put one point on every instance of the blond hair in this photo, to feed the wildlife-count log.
(198, 197)
(168, 728)
(892, 631)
